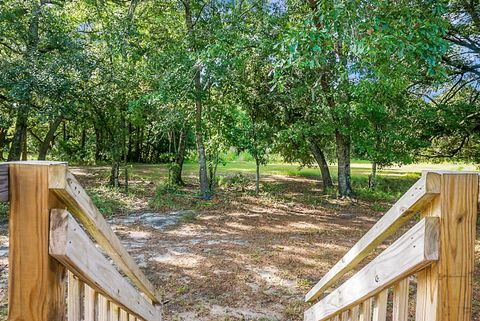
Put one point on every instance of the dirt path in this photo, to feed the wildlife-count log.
(242, 257)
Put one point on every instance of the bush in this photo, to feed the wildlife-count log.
(236, 181)
(169, 196)
(3, 212)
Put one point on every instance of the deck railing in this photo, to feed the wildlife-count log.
(436, 255)
(56, 271)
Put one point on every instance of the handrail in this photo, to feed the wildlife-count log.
(411, 252)
(443, 290)
(72, 247)
(64, 184)
(413, 200)
(41, 255)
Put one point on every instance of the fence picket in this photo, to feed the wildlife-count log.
(380, 306)
(400, 300)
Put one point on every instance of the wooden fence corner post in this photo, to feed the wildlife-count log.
(37, 282)
(444, 290)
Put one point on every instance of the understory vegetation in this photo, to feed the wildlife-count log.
(314, 83)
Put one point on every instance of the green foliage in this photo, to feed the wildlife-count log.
(238, 182)
(4, 210)
(105, 199)
(169, 196)
(118, 82)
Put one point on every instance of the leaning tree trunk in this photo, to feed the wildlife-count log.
(343, 157)
(45, 145)
(322, 164)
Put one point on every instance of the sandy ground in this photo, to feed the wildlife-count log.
(242, 257)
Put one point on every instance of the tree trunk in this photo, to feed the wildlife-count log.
(24, 148)
(98, 143)
(3, 135)
(20, 132)
(114, 173)
(130, 141)
(343, 157)
(373, 176)
(322, 164)
(177, 168)
(257, 176)
(202, 159)
(20, 135)
(45, 145)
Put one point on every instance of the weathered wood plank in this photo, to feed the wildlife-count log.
(67, 188)
(380, 306)
(444, 290)
(74, 298)
(71, 246)
(36, 282)
(102, 308)
(412, 201)
(400, 300)
(366, 310)
(123, 315)
(4, 182)
(414, 250)
(354, 313)
(90, 303)
(114, 312)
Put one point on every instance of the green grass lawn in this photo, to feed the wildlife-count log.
(392, 182)
(359, 169)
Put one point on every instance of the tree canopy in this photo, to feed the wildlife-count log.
(317, 82)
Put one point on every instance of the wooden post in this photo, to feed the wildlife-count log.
(36, 282)
(444, 291)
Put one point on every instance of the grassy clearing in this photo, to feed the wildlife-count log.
(150, 182)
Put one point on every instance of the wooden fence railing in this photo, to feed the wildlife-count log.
(56, 272)
(435, 258)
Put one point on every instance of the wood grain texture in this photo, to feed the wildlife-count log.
(67, 188)
(3, 182)
(444, 291)
(380, 306)
(90, 304)
(114, 312)
(71, 246)
(400, 300)
(37, 282)
(354, 313)
(412, 251)
(418, 196)
(123, 315)
(365, 310)
(102, 308)
(74, 298)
